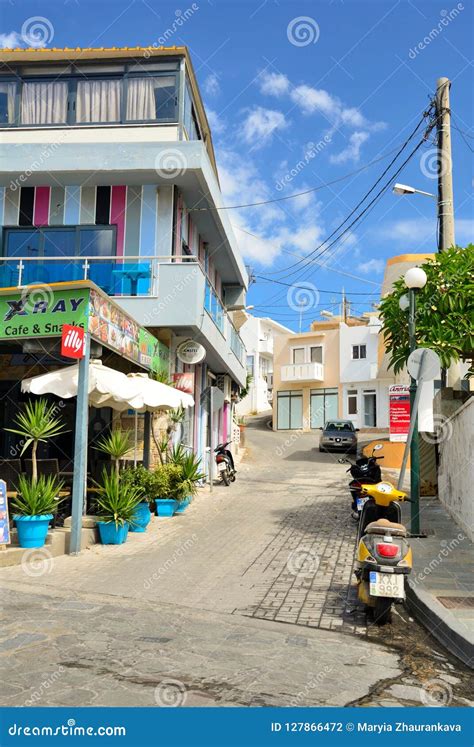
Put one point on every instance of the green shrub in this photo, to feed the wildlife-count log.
(36, 498)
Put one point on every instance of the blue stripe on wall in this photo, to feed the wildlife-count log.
(148, 219)
(72, 206)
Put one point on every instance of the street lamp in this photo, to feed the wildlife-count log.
(415, 280)
(404, 189)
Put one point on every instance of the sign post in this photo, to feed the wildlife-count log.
(79, 484)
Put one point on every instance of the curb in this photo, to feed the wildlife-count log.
(436, 619)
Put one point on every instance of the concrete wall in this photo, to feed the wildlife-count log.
(456, 465)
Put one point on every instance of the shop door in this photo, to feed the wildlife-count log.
(289, 411)
(323, 407)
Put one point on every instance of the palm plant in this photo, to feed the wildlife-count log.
(191, 473)
(177, 454)
(117, 445)
(36, 423)
(116, 501)
(37, 498)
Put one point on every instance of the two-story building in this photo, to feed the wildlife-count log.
(108, 174)
(258, 335)
(330, 372)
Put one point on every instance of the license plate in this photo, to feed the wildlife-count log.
(387, 585)
(361, 501)
(221, 466)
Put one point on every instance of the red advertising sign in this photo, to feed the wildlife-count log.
(399, 409)
(72, 341)
(184, 382)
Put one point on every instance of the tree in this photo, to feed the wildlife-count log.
(444, 311)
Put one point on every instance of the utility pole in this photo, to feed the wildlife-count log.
(344, 309)
(445, 166)
(446, 238)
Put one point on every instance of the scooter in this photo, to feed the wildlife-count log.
(365, 470)
(384, 556)
(225, 463)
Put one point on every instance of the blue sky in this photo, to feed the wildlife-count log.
(300, 94)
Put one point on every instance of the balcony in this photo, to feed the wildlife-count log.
(265, 347)
(303, 372)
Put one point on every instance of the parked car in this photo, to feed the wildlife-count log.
(338, 435)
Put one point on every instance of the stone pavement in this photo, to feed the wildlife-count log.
(244, 599)
(441, 587)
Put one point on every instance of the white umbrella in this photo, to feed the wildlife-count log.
(154, 395)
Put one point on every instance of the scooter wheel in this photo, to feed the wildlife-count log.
(225, 477)
(232, 477)
(383, 611)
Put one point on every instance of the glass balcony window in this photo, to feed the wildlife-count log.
(7, 103)
(99, 101)
(151, 98)
(44, 103)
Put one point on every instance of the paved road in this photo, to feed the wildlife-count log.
(245, 599)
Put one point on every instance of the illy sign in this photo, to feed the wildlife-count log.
(73, 341)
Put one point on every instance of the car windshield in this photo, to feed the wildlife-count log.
(335, 426)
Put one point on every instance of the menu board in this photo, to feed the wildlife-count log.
(4, 523)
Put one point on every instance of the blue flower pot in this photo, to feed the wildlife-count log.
(32, 530)
(182, 506)
(141, 518)
(166, 506)
(110, 534)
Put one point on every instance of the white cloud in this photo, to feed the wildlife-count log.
(216, 124)
(211, 85)
(371, 266)
(311, 100)
(273, 84)
(11, 40)
(420, 230)
(352, 151)
(260, 124)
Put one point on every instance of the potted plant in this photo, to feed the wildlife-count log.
(34, 507)
(167, 488)
(37, 498)
(117, 445)
(141, 479)
(116, 506)
(190, 475)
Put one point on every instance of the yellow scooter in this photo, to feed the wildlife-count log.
(384, 555)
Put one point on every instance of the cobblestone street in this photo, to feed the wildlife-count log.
(246, 599)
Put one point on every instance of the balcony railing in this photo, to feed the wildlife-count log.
(303, 372)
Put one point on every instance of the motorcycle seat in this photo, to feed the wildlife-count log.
(384, 526)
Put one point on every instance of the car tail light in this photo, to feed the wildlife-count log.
(387, 550)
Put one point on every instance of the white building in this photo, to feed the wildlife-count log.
(364, 394)
(258, 335)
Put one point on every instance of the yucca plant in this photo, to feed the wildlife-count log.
(177, 454)
(37, 422)
(117, 445)
(191, 473)
(37, 498)
(116, 501)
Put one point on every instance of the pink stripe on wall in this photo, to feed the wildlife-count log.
(117, 215)
(41, 210)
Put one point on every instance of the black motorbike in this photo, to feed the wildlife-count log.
(225, 463)
(365, 470)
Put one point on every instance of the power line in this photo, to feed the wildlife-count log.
(296, 194)
(333, 292)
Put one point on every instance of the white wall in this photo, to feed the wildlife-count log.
(357, 370)
(456, 466)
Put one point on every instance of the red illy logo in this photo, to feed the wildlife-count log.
(72, 341)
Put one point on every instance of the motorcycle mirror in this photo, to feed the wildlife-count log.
(343, 461)
(377, 447)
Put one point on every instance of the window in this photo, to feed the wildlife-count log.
(316, 354)
(7, 103)
(359, 352)
(190, 119)
(151, 98)
(352, 402)
(324, 406)
(298, 355)
(250, 364)
(44, 103)
(99, 101)
(289, 410)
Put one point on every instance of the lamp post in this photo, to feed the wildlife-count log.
(415, 279)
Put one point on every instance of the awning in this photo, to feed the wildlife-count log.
(110, 388)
